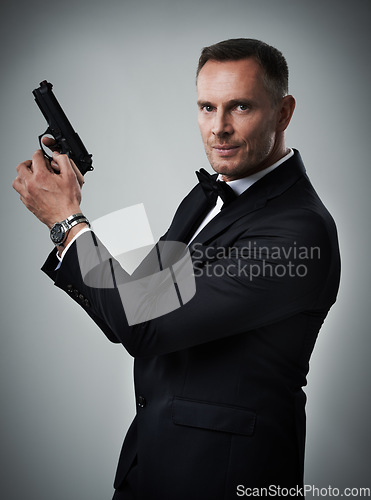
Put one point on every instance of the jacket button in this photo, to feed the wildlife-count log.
(141, 402)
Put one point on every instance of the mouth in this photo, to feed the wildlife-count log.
(225, 149)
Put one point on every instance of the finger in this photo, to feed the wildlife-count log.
(54, 167)
(63, 163)
(17, 184)
(24, 167)
(39, 162)
(50, 167)
(50, 143)
(80, 177)
(23, 170)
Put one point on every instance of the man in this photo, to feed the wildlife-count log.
(219, 380)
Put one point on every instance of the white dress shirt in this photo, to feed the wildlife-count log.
(239, 186)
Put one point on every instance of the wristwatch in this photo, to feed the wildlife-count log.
(60, 230)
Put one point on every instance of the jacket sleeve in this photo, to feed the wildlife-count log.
(268, 273)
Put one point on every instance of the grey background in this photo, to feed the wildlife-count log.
(124, 72)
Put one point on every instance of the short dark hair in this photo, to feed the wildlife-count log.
(273, 63)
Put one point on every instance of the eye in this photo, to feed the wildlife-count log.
(242, 107)
(207, 108)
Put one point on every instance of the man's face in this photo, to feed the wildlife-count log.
(237, 119)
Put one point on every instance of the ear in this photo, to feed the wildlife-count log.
(285, 112)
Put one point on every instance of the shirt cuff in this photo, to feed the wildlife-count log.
(60, 257)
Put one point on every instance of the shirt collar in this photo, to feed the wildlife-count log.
(240, 185)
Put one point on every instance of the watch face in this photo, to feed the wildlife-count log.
(57, 233)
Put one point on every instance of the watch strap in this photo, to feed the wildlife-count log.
(75, 219)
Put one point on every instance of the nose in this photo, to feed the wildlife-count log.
(222, 125)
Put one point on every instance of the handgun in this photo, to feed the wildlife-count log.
(67, 140)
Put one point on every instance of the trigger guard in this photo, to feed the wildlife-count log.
(47, 131)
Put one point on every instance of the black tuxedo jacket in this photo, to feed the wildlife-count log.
(219, 380)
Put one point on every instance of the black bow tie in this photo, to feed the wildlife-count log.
(214, 188)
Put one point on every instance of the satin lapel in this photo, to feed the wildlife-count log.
(189, 216)
(254, 198)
